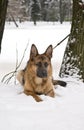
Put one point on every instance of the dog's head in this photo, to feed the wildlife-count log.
(41, 62)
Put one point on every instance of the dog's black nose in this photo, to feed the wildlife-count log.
(42, 73)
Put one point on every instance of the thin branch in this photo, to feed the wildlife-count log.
(61, 41)
(16, 56)
(16, 62)
(13, 73)
(14, 20)
(7, 81)
(22, 56)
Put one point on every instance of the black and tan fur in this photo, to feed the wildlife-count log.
(36, 78)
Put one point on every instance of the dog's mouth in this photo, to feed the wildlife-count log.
(42, 73)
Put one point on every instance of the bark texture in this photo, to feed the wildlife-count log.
(3, 9)
(73, 61)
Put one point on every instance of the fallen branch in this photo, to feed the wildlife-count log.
(13, 73)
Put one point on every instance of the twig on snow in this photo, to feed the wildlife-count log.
(10, 75)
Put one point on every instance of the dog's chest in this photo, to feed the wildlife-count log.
(40, 85)
(38, 81)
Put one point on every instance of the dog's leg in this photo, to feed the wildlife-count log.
(36, 97)
(51, 93)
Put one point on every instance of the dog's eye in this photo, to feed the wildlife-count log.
(39, 64)
(45, 64)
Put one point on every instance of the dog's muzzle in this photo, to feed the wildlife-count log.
(42, 73)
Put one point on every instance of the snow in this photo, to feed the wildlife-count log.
(21, 112)
(82, 0)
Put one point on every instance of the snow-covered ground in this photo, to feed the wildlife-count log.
(21, 112)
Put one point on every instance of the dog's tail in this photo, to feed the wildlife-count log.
(59, 82)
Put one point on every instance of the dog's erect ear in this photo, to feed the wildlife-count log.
(49, 51)
(34, 51)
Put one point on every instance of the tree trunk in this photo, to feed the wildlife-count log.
(3, 9)
(73, 61)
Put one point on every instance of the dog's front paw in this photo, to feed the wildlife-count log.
(38, 99)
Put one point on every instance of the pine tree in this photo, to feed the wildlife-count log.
(35, 11)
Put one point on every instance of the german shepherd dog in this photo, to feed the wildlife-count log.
(36, 77)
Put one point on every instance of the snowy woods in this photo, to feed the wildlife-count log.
(25, 25)
(45, 10)
(42, 10)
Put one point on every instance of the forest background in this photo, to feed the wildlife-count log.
(41, 10)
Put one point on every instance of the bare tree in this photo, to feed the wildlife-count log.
(73, 61)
